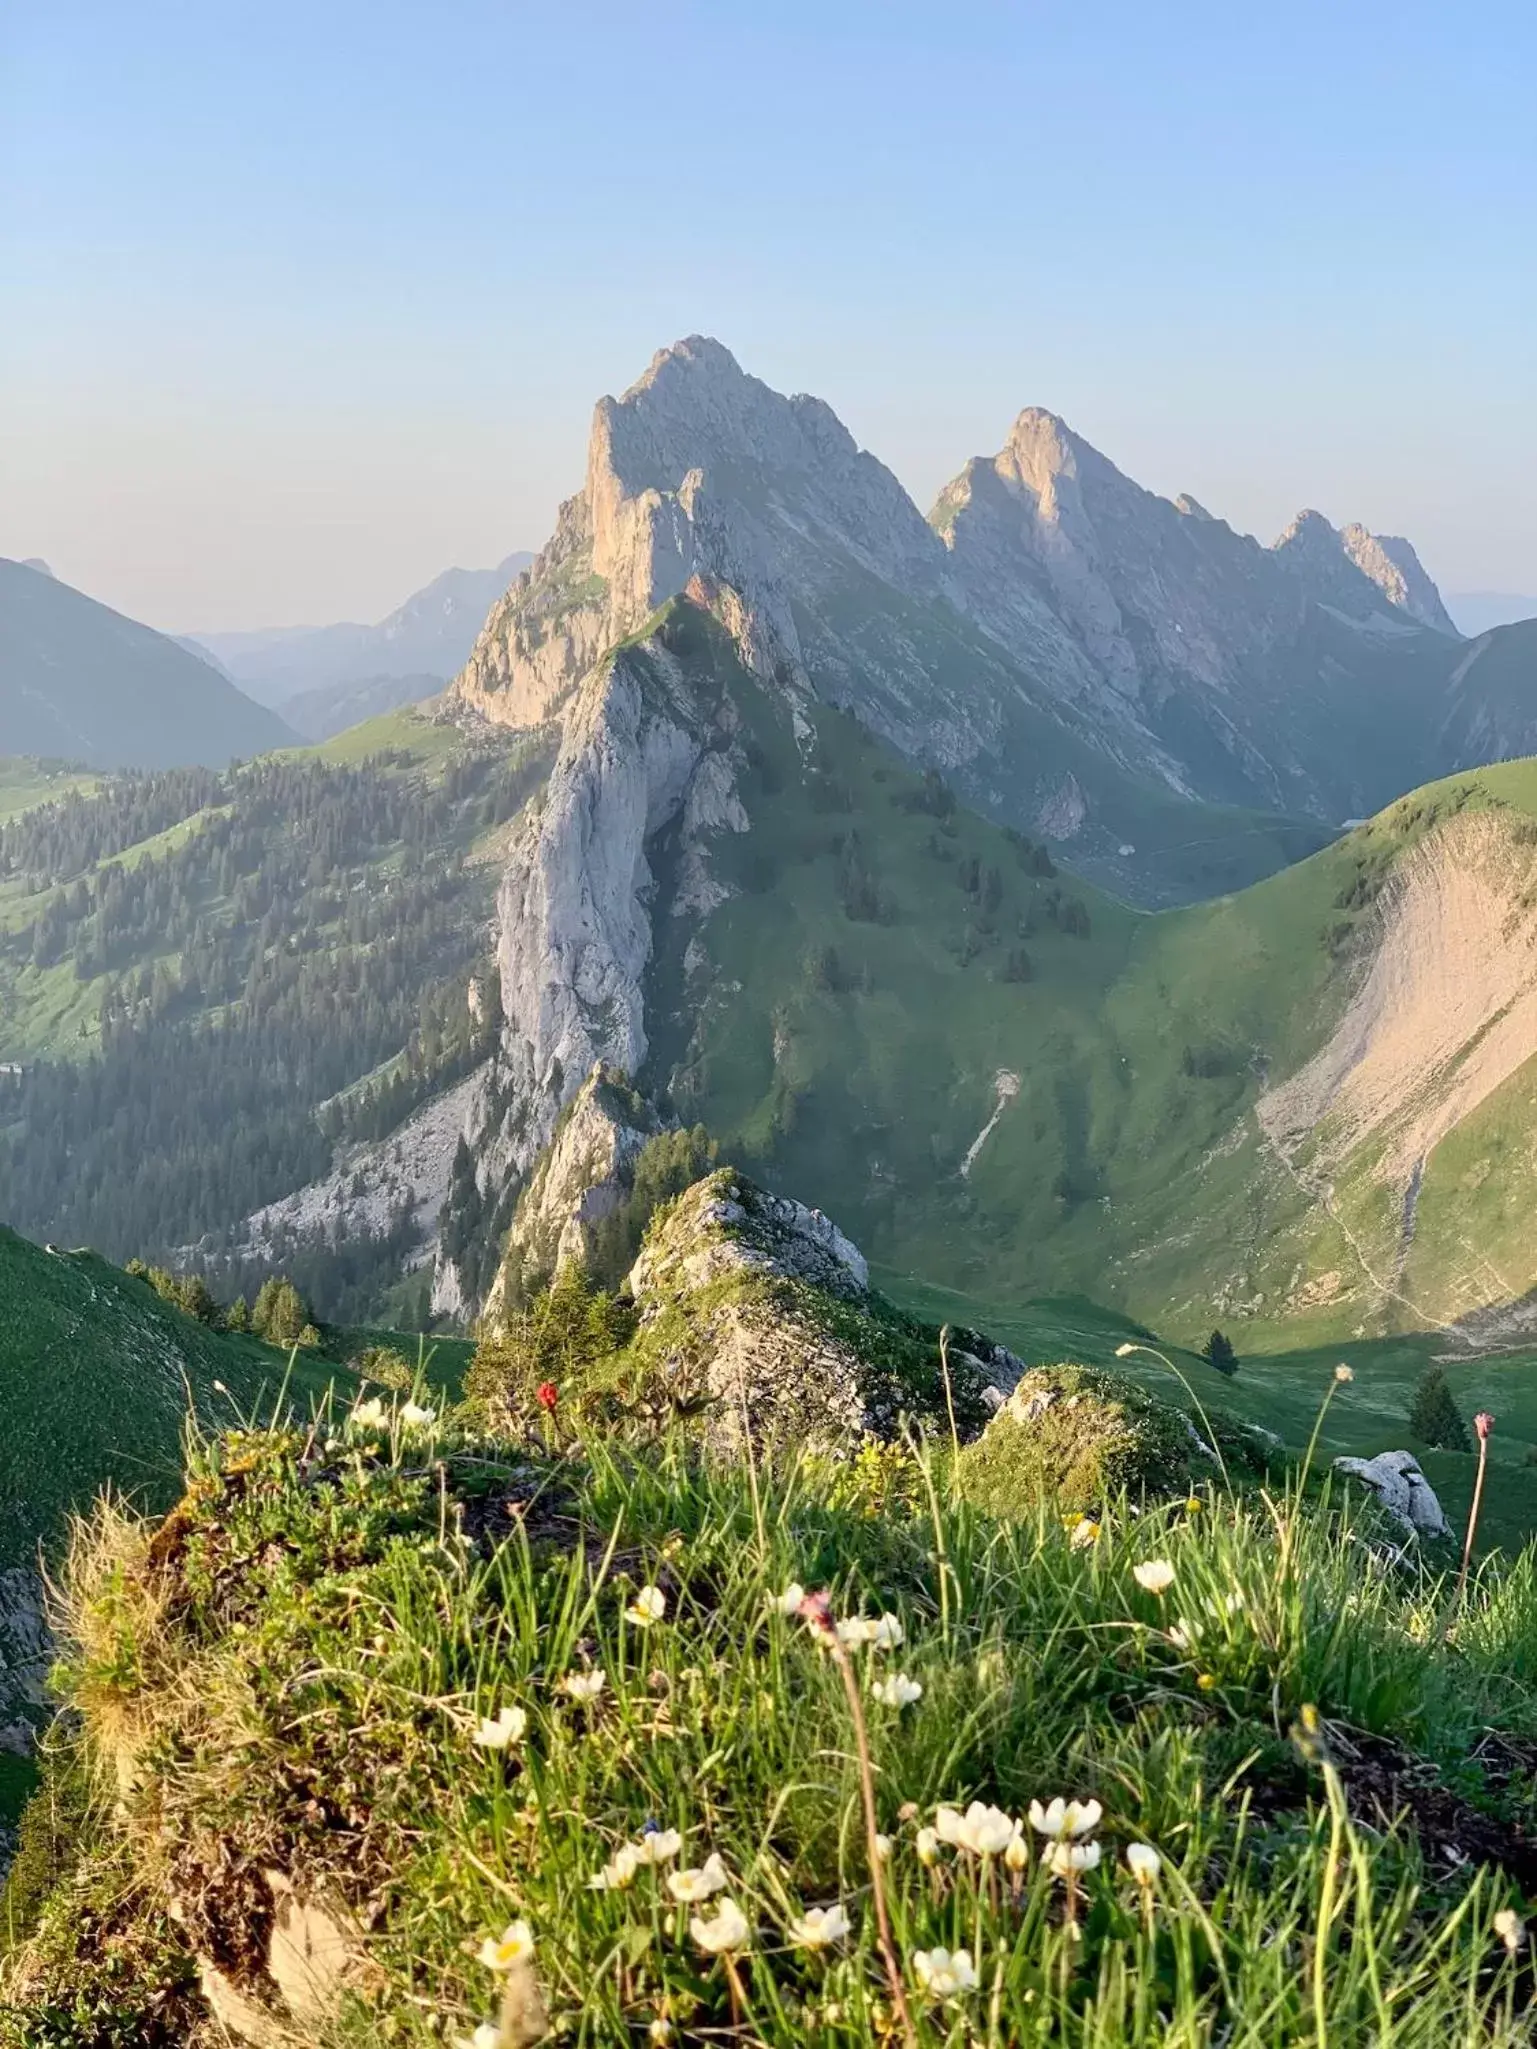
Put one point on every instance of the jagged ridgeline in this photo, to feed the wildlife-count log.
(835, 831)
(993, 1072)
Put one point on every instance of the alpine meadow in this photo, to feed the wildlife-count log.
(767, 1279)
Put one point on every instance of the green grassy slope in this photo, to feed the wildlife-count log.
(855, 1060)
(1326, 1764)
(99, 1374)
(1281, 1386)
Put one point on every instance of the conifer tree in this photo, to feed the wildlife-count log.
(1218, 1352)
(1433, 1415)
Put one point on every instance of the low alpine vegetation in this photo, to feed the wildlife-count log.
(623, 1743)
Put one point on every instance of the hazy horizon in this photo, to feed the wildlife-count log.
(305, 311)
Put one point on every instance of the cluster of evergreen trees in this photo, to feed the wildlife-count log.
(278, 1315)
(308, 925)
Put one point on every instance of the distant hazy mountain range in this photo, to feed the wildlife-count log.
(81, 682)
(1478, 611)
(328, 677)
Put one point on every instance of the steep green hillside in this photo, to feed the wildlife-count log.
(100, 1377)
(80, 681)
(99, 1374)
(1276, 1388)
(207, 980)
(1004, 1079)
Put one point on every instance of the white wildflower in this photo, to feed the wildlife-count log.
(618, 1874)
(985, 1831)
(659, 1845)
(1510, 1928)
(414, 1417)
(648, 1606)
(504, 1727)
(888, 1634)
(688, 1888)
(896, 1692)
(584, 1685)
(724, 1931)
(1154, 1575)
(1143, 1862)
(1065, 1818)
(1067, 1858)
(818, 1927)
(943, 1973)
(370, 1415)
(515, 1946)
(926, 1843)
(788, 1603)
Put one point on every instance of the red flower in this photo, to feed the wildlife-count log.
(1483, 1423)
(547, 1394)
(816, 1611)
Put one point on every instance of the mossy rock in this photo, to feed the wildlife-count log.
(1075, 1435)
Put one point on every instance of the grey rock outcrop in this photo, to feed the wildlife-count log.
(729, 1226)
(759, 1310)
(1396, 1480)
(580, 1180)
(1392, 565)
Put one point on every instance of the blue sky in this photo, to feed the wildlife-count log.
(303, 303)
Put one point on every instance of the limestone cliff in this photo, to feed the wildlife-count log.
(1393, 566)
(1056, 642)
(579, 1182)
(698, 470)
(648, 752)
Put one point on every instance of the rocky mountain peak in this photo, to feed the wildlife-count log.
(1364, 576)
(1121, 595)
(695, 405)
(699, 475)
(1391, 563)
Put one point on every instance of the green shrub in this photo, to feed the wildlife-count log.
(1433, 1415)
(568, 1331)
(1074, 1435)
(668, 1162)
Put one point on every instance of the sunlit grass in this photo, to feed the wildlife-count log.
(344, 1614)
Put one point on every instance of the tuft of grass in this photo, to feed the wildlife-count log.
(313, 1641)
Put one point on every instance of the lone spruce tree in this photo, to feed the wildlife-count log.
(1433, 1416)
(1218, 1351)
